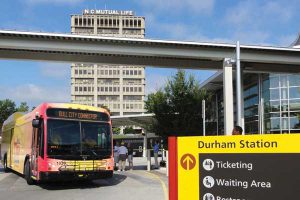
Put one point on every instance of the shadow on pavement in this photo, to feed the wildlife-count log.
(83, 184)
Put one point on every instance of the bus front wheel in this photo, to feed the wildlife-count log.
(27, 173)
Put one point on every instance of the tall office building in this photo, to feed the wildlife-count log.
(119, 87)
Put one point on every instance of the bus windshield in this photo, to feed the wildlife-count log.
(77, 139)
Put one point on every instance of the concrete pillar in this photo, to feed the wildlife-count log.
(145, 146)
(228, 96)
(148, 160)
(122, 130)
(242, 101)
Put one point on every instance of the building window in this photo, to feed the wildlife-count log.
(76, 89)
(274, 94)
(76, 71)
(294, 92)
(294, 80)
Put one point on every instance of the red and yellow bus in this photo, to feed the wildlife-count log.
(58, 141)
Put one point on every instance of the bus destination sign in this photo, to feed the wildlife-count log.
(77, 114)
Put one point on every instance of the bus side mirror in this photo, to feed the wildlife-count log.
(36, 123)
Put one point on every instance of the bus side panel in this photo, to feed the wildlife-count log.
(21, 145)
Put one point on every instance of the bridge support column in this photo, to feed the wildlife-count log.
(145, 146)
(228, 96)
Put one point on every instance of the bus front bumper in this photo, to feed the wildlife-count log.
(65, 176)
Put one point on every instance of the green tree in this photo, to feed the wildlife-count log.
(7, 107)
(116, 130)
(129, 130)
(23, 107)
(178, 106)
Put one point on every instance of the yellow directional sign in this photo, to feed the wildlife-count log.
(188, 161)
(242, 166)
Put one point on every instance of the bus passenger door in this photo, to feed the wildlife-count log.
(35, 152)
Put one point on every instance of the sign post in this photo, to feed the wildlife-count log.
(253, 167)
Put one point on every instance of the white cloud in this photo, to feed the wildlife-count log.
(258, 14)
(55, 70)
(254, 22)
(54, 1)
(34, 94)
(181, 31)
(198, 7)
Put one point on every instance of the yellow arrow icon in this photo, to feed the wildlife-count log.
(188, 161)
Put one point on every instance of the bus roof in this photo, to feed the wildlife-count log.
(11, 120)
(45, 106)
(41, 109)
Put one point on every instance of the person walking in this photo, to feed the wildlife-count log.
(122, 156)
(130, 156)
(116, 154)
(155, 150)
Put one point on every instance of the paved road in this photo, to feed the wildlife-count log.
(129, 185)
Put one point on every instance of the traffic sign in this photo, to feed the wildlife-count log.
(236, 167)
(188, 161)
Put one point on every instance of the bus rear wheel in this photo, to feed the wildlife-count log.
(27, 173)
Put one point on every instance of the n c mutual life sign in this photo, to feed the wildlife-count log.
(107, 12)
(252, 167)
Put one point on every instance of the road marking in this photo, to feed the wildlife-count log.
(162, 184)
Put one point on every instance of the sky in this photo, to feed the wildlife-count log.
(256, 22)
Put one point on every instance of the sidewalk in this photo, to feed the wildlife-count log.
(140, 163)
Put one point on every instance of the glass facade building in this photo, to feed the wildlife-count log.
(271, 103)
